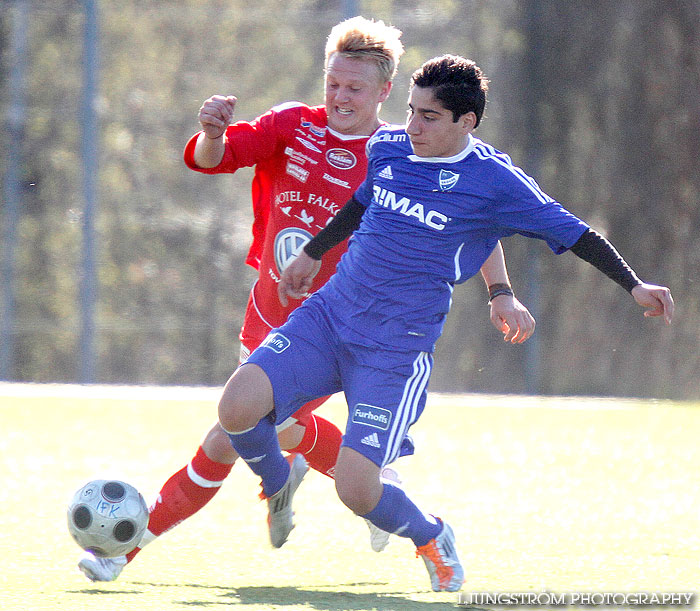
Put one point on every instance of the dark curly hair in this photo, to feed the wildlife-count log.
(458, 83)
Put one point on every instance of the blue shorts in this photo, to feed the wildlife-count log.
(385, 390)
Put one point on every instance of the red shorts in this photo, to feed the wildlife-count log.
(253, 332)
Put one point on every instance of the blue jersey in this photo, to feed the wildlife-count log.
(431, 223)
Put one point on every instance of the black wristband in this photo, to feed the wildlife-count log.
(500, 288)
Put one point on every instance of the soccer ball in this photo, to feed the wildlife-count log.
(107, 517)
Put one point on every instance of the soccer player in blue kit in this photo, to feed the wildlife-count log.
(434, 204)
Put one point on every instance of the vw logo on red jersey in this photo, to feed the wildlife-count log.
(341, 158)
(288, 244)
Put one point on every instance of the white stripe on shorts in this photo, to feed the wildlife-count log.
(408, 407)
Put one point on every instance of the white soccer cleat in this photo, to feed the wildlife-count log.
(279, 505)
(440, 557)
(379, 538)
(101, 569)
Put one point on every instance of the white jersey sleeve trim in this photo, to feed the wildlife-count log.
(287, 105)
(486, 152)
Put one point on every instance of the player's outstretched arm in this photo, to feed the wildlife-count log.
(600, 253)
(215, 115)
(508, 315)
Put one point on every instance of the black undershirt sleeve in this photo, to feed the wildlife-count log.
(591, 246)
(341, 227)
(600, 253)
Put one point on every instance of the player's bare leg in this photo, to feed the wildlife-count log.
(387, 507)
(319, 441)
(357, 481)
(246, 401)
(291, 436)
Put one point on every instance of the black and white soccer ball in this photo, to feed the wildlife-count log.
(107, 517)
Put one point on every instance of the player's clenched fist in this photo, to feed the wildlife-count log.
(512, 319)
(297, 278)
(216, 114)
(656, 299)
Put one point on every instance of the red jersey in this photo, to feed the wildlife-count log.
(304, 174)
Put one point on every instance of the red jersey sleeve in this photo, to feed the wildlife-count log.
(249, 143)
(257, 143)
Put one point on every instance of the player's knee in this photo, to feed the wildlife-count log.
(357, 481)
(348, 493)
(355, 494)
(217, 446)
(234, 415)
(247, 397)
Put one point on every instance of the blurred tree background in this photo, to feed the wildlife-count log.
(599, 100)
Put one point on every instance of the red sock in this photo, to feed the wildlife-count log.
(183, 495)
(320, 445)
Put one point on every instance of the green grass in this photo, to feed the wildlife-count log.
(549, 494)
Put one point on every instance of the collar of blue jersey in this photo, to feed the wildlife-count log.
(454, 159)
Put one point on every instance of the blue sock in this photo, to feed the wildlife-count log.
(397, 514)
(260, 449)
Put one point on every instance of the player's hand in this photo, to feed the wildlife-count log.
(512, 319)
(297, 278)
(657, 300)
(216, 114)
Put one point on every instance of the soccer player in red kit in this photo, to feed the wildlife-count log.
(308, 162)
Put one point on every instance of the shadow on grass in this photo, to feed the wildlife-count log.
(318, 599)
(333, 600)
(103, 592)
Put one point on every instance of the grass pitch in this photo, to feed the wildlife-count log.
(544, 494)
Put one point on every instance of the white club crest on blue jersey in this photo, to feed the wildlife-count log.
(448, 179)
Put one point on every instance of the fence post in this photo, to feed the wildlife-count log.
(12, 191)
(90, 152)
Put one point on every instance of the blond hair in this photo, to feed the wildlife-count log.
(367, 39)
